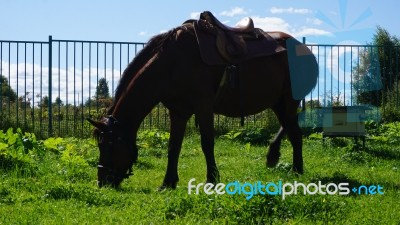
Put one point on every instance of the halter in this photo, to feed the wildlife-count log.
(106, 139)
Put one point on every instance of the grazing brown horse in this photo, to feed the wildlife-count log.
(171, 70)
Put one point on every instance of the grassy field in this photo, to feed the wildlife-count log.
(54, 182)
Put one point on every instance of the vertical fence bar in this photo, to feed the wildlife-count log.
(66, 84)
(90, 77)
(75, 107)
(105, 61)
(1, 83)
(382, 95)
(331, 76)
(390, 70)
(112, 70)
(33, 88)
(58, 99)
(127, 59)
(120, 60)
(17, 105)
(97, 76)
(82, 103)
(24, 102)
(9, 77)
(318, 102)
(311, 95)
(351, 76)
(325, 70)
(358, 60)
(41, 91)
(397, 74)
(50, 114)
(303, 101)
(338, 75)
(344, 76)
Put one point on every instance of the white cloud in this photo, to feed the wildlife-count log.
(194, 15)
(314, 21)
(306, 31)
(234, 12)
(271, 24)
(291, 10)
(279, 24)
(143, 33)
(35, 84)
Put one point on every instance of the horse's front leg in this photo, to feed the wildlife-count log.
(177, 131)
(206, 125)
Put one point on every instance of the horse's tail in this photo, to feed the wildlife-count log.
(303, 68)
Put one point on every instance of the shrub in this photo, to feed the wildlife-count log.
(19, 150)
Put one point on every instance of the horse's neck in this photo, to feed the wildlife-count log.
(133, 110)
(139, 98)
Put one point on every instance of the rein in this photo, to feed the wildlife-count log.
(106, 139)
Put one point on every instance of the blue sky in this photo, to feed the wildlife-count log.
(320, 21)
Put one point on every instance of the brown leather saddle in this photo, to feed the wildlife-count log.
(223, 45)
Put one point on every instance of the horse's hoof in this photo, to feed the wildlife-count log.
(272, 164)
(165, 186)
(212, 181)
(162, 188)
(214, 178)
(298, 170)
(272, 161)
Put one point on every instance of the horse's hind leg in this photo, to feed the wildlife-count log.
(177, 131)
(274, 154)
(295, 138)
(287, 116)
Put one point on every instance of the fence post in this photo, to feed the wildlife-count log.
(303, 102)
(50, 110)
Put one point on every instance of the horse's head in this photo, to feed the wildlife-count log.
(117, 153)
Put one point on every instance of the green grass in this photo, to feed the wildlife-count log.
(60, 186)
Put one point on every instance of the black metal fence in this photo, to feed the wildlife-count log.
(50, 87)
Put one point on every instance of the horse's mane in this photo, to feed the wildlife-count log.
(155, 45)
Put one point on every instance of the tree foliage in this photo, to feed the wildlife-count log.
(378, 70)
(6, 91)
(102, 91)
(102, 97)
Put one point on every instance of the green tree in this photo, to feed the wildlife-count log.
(58, 101)
(6, 91)
(102, 91)
(381, 60)
(44, 102)
(102, 98)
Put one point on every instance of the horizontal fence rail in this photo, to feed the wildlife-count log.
(50, 87)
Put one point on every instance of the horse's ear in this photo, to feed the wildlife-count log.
(99, 125)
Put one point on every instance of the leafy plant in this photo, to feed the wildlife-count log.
(53, 144)
(77, 156)
(153, 139)
(257, 136)
(19, 149)
(388, 133)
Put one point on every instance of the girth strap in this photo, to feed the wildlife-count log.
(231, 79)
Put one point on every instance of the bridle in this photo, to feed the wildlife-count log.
(106, 139)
